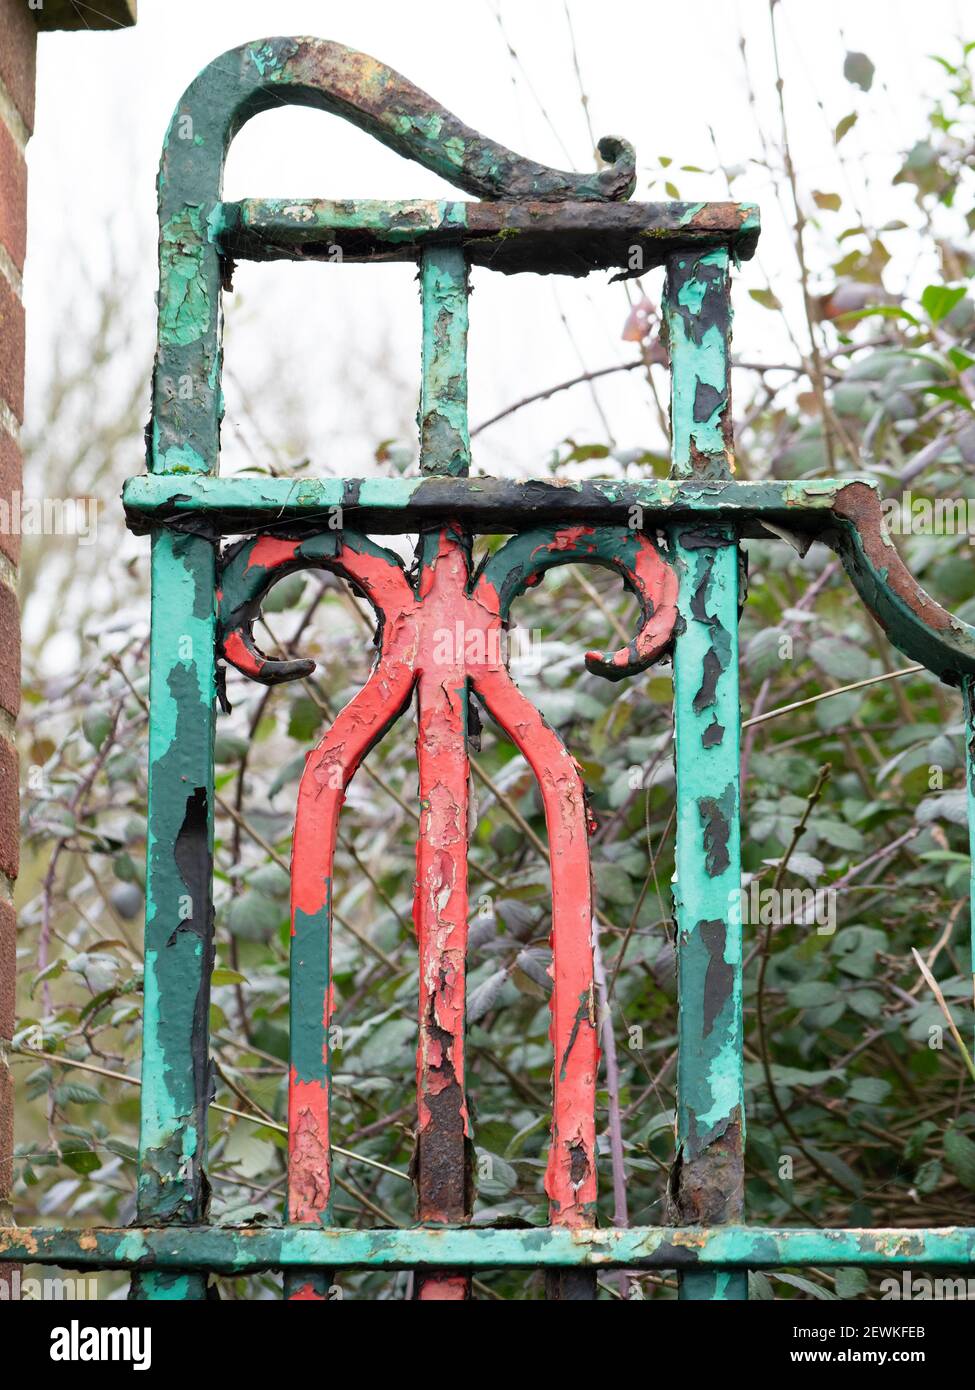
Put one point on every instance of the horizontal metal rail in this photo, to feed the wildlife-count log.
(845, 514)
(567, 238)
(502, 505)
(248, 1249)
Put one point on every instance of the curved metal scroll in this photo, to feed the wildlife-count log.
(443, 638)
(915, 622)
(184, 434)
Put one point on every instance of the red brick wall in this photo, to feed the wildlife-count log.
(18, 40)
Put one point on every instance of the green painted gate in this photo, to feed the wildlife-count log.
(674, 544)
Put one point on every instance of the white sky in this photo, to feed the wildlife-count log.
(341, 344)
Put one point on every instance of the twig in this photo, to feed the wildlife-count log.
(942, 1004)
(620, 1214)
(817, 376)
(822, 778)
(828, 695)
(254, 1119)
(578, 380)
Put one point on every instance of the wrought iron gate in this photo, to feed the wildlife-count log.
(675, 545)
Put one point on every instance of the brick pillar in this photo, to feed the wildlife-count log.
(19, 22)
(18, 41)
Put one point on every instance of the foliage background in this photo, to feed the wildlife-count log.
(842, 1077)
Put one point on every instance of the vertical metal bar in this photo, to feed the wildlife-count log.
(570, 1176)
(968, 694)
(697, 315)
(179, 913)
(328, 772)
(184, 436)
(706, 1186)
(445, 444)
(444, 1172)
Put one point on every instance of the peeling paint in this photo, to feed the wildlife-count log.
(412, 621)
(700, 1252)
(707, 1180)
(697, 316)
(532, 218)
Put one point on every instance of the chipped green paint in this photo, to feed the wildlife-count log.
(708, 1175)
(184, 291)
(312, 72)
(516, 567)
(511, 236)
(707, 1179)
(310, 953)
(179, 925)
(249, 1249)
(227, 505)
(697, 314)
(445, 446)
(968, 694)
(530, 218)
(845, 514)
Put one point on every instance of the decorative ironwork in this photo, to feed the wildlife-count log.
(675, 545)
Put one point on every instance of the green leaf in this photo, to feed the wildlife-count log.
(95, 724)
(805, 1286)
(613, 884)
(844, 127)
(794, 1076)
(811, 995)
(947, 806)
(495, 1176)
(830, 202)
(838, 834)
(960, 1157)
(388, 1045)
(928, 1176)
(290, 772)
(872, 1090)
(74, 1093)
(851, 1283)
(858, 69)
(270, 880)
(285, 594)
(82, 1161)
(484, 996)
(253, 917)
(304, 719)
(868, 1003)
(767, 298)
(843, 660)
(228, 977)
(582, 453)
(842, 1172)
(229, 748)
(937, 301)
